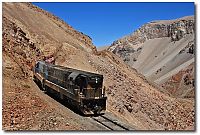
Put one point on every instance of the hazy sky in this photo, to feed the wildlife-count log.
(106, 22)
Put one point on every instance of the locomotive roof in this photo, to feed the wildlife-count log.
(72, 69)
(80, 71)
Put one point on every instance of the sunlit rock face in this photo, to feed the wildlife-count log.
(175, 29)
(159, 49)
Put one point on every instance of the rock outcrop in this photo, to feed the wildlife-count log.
(159, 49)
(156, 29)
(51, 31)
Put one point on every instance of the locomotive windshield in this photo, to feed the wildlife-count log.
(84, 81)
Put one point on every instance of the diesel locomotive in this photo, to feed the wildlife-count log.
(81, 89)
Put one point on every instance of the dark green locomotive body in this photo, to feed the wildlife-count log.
(82, 89)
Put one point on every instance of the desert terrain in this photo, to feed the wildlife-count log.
(175, 52)
(30, 33)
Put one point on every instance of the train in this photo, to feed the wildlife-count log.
(82, 90)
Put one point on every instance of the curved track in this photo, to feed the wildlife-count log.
(109, 123)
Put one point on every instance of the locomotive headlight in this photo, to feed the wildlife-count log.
(96, 80)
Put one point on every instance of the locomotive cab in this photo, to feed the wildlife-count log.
(90, 87)
(92, 95)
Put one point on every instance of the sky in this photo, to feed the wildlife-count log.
(107, 22)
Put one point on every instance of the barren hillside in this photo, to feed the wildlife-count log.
(159, 50)
(30, 33)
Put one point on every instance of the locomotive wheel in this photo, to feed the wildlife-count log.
(45, 89)
(34, 78)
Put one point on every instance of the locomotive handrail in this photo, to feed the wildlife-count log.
(53, 77)
(90, 88)
(93, 93)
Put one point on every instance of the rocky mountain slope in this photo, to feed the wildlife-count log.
(30, 33)
(160, 50)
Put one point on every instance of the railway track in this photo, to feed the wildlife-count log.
(109, 123)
